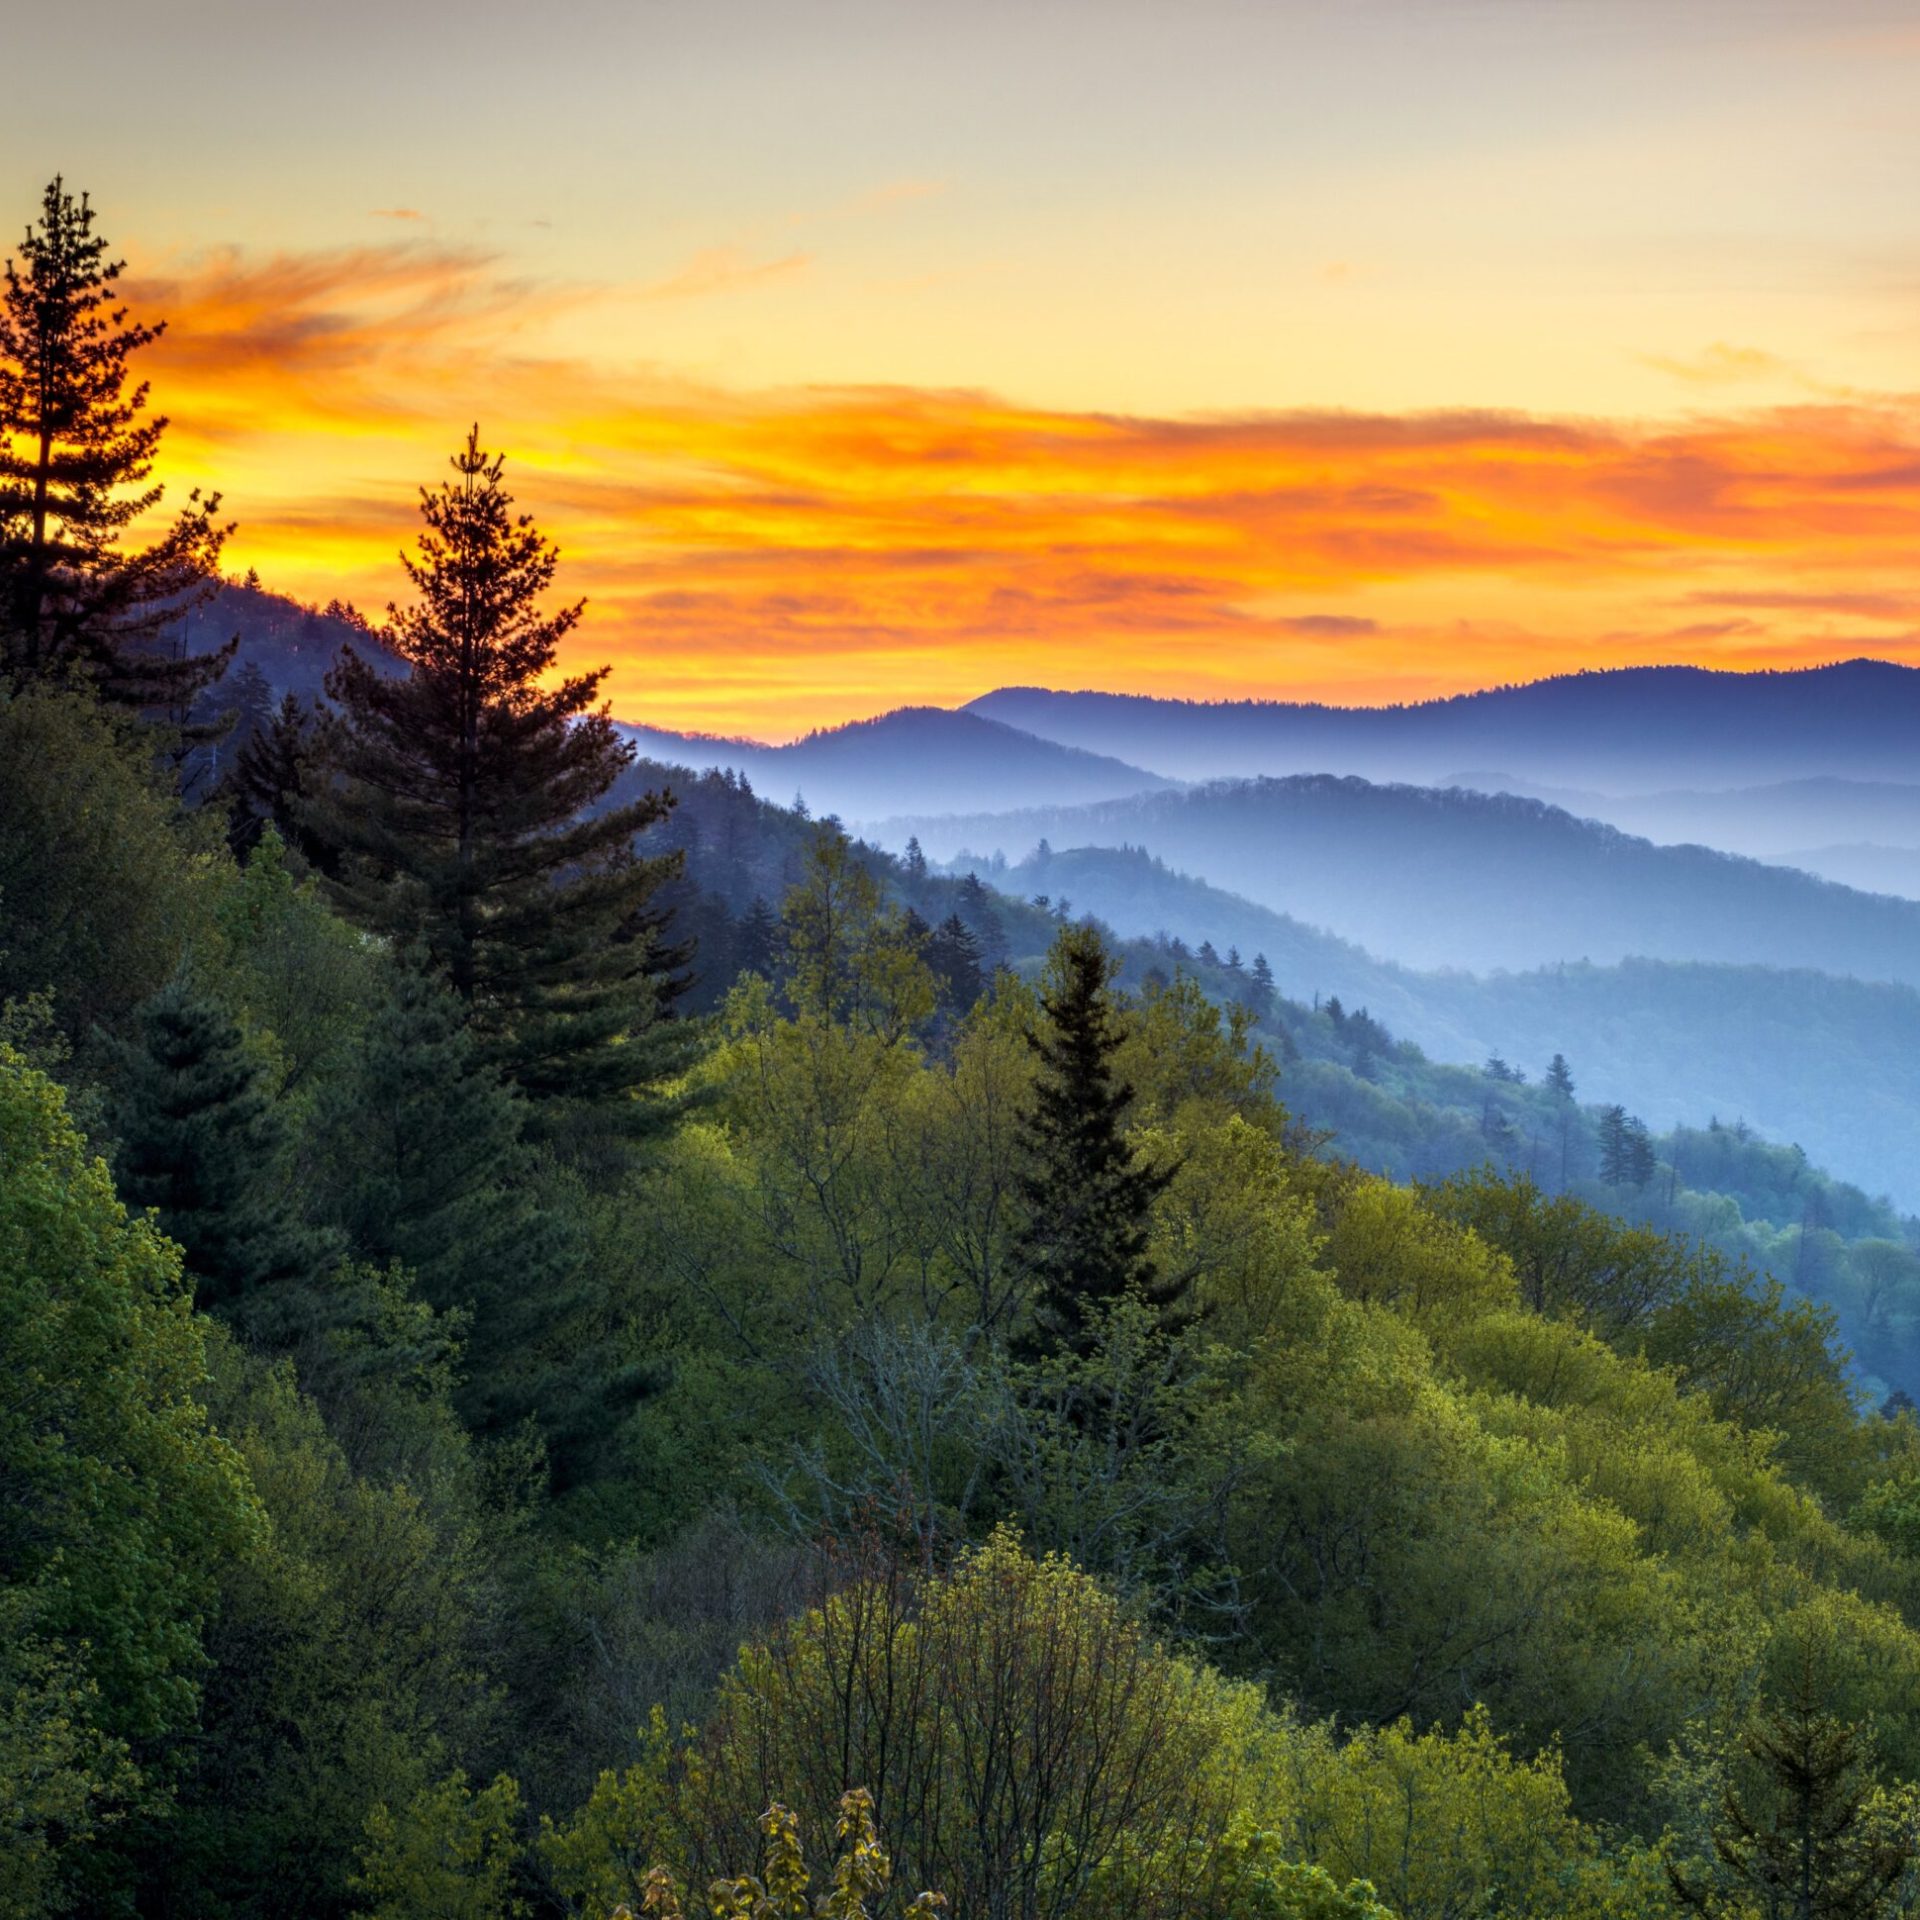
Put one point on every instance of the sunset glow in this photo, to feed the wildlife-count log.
(819, 439)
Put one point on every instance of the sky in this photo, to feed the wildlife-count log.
(859, 355)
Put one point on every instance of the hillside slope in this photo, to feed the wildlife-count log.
(1832, 1064)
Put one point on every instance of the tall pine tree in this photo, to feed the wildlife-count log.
(1089, 1197)
(467, 811)
(77, 449)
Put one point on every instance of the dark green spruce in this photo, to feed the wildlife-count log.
(1088, 1194)
(202, 1142)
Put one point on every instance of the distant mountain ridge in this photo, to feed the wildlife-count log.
(948, 761)
(1451, 878)
(1627, 729)
(1757, 820)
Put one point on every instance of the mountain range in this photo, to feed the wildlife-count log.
(1451, 878)
(1626, 730)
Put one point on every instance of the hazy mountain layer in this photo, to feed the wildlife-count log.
(1870, 869)
(919, 759)
(1631, 729)
(1447, 878)
(293, 646)
(1767, 822)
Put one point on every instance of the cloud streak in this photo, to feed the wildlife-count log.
(724, 270)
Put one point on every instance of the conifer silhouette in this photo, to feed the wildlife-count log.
(468, 814)
(77, 449)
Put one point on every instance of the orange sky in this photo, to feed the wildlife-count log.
(860, 352)
(769, 561)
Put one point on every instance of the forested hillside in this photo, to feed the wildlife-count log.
(1833, 1064)
(575, 1343)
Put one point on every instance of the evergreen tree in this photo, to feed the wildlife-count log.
(201, 1142)
(1641, 1162)
(271, 782)
(423, 1159)
(977, 910)
(1800, 1835)
(915, 860)
(1559, 1077)
(1626, 1149)
(250, 697)
(954, 955)
(1262, 984)
(467, 813)
(77, 450)
(1089, 1199)
(1368, 1039)
(759, 940)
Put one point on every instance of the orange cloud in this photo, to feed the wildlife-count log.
(770, 561)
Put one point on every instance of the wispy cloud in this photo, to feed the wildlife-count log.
(724, 270)
(1720, 365)
(397, 213)
(895, 193)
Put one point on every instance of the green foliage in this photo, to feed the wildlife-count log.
(64, 1781)
(297, 976)
(120, 1508)
(1258, 1883)
(1802, 1829)
(449, 1855)
(347, 1660)
(1022, 1737)
(420, 1147)
(783, 1889)
(851, 959)
(101, 884)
